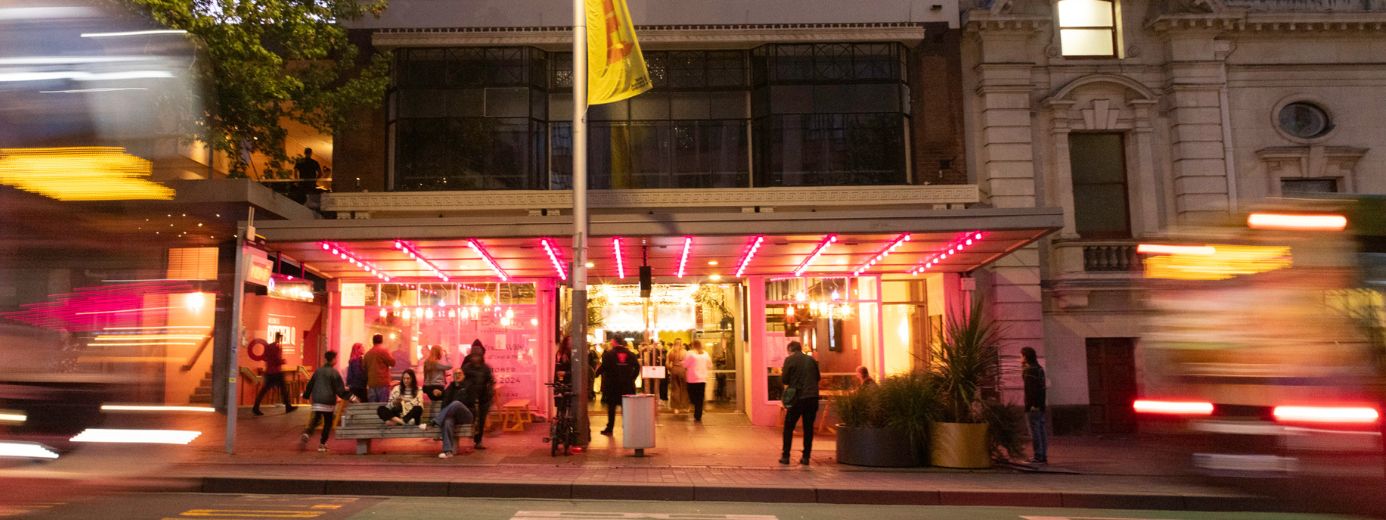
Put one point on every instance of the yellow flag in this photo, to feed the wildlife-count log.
(615, 68)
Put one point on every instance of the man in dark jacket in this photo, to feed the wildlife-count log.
(1033, 375)
(479, 383)
(619, 369)
(452, 411)
(378, 363)
(800, 377)
(323, 390)
(273, 356)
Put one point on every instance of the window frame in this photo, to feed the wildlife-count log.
(1125, 190)
(1114, 30)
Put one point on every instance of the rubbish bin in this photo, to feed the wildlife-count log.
(638, 422)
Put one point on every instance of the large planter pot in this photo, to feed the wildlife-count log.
(959, 445)
(875, 447)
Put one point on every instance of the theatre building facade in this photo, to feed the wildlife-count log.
(797, 173)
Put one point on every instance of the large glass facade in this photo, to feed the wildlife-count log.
(500, 119)
(835, 319)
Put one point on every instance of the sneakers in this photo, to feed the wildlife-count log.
(303, 438)
(784, 460)
(322, 448)
(1038, 461)
(444, 455)
(423, 426)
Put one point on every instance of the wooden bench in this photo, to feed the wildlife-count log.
(515, 415)
(360, 422)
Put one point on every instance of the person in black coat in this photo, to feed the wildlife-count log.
(1033, 376)
(479, 382)
(619, 369)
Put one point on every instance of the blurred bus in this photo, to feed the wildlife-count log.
(1265, 346)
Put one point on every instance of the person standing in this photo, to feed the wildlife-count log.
(273, 356)
(678, 380)
(451, 412)
(698, 363)
(619, 369)
(1033, 376)
(800, 379)
(378, 364)
(356, 373)
(435, 372)
(308, 171)
(651, 356)
(480, 383)
(593, 359)
(323, 390)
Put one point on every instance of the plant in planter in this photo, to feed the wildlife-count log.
(885, 425)
(967, 360)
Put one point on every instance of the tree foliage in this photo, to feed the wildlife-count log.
(266, 61)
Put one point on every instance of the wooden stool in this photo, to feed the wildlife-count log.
(515, 415)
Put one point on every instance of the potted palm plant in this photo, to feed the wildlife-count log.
(885, 425)
(967, 360)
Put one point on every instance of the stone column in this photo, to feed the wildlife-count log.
(1195, 116)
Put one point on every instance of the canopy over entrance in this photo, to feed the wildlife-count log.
(689, 247)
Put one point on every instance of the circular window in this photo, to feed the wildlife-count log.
(1304, 120)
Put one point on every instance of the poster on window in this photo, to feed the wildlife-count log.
(515, 371)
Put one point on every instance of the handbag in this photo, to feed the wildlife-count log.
(790, 395)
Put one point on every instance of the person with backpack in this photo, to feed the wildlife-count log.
(323, 390)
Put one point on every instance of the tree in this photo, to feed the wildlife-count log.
(269, 61)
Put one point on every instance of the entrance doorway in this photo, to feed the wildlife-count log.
(1111, 384)
(708, 313)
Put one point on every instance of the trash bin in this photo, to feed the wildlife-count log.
(638, 422)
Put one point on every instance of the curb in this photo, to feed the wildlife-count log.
(564, 490)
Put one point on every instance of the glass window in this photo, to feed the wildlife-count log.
(1098, 163)
(1087, 28)
(830, 149)
(1290, 187)
(1304, 120)
(470, 118)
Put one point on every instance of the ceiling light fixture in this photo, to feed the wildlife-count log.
(683, 259)
(616, 250)
(554, 258)
(338, 251)
(486, 257)
(967, 240)
(750, 253)
(894, 244)
(418, 257)
(812, 257)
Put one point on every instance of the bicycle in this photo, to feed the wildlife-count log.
(563, 428)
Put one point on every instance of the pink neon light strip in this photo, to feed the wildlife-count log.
(822, 246)
(553, 257)
(894, 244)
(486, 257)
(683, 259)
(620, 264)
(338, 251)
(418, 257)
(750, 253)
(957, 246)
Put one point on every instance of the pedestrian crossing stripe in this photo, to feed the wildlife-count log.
(250, 513)
(583, 515)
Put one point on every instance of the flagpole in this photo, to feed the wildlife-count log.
(579, 310)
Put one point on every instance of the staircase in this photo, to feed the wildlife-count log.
(203, 393)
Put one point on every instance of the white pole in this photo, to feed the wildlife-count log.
(579, 315)
(245, 235)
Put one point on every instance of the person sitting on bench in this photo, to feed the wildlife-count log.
(406, 402)
(451, 413)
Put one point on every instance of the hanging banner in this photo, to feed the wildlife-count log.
(616, 69)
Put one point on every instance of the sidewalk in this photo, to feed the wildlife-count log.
(724, 459)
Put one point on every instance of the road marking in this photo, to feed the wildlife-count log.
(1031, 517)
(584, 515)
(250, 513)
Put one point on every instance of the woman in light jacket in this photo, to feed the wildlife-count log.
(678, 381)
(435, 371)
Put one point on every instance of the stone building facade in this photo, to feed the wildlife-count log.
(1135, 116)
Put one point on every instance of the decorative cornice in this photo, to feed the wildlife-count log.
(1240, 20)
(1295, 152)
(490, 201)
(652, 34)
(985, 20)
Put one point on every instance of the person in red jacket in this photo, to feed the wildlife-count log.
(273, 356)
(378, 364)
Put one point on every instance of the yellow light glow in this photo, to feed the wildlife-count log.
(1227, 261)
(715, 277)
(1169, 249)
(155, 408)
(81, 174)
(12, 417)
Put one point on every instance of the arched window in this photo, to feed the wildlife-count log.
(1087, 28)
